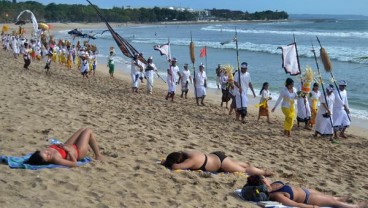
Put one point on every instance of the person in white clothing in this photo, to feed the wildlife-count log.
(184, 80)
(325, 114)
(242, 81)
(172, 78)
(135, 70)
(341, 119)
(200, 82)
(148, 73)
(84, 66)
(15, 47)
(304, 112)
(263, 102)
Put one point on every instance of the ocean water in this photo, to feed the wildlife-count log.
(346, 41)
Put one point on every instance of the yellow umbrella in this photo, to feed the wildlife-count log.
(43, 26)
(5, 28)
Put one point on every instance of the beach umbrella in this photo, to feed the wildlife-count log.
(43, 26)
(5, 28)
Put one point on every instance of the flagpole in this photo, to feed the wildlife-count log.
(192, 58)
(237, 59)
(301, 81)
(205, 49)
(320, 79)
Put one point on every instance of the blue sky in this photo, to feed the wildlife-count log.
(358, 7)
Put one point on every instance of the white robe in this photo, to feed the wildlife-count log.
(323, 125)
(200, 79)
(241, 98)
(304, 111)
(341, 119)
(172, 78)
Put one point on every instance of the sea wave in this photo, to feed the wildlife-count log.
(343, 54)
(354, 34)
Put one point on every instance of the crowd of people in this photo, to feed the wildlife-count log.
(52, 51)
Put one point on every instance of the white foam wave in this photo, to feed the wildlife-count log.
(344, 54)
(354, 34)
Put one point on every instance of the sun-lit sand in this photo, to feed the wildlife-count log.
(136, 130)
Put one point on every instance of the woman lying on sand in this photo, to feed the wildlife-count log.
(74, 149)
(259, 188)
(213, 162)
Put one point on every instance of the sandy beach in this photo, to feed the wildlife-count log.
(137, 130)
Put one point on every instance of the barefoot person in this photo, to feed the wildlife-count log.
(213, 162)
(314, 96)
(263, 103)
(184, 80)
(259, 188)
(172, 79)
(200, 83)
(287, 96)
(341, 120)
(242, 81)
(74, 149)
(324, 115)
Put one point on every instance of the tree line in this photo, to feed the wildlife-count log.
(85, 13)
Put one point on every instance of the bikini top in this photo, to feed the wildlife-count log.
(285, 188)
(61, 151)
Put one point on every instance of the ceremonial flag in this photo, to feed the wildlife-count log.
(203, 52)
(124, 46)
(164, 50)
(290, 60)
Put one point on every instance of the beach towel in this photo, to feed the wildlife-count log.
(19, 161)
(269, 204)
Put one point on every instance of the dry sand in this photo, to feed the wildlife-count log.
(136, 130)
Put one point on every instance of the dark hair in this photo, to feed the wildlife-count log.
(175, 157)
(288, 82)
(315, 85)
(263, 87)
(255, 190)
(36, 159)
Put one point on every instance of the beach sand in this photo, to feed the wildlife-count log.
(137, 130)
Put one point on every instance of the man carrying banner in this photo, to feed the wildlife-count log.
(241, 88)
(172, 74)
(135, 70)
(148, 73)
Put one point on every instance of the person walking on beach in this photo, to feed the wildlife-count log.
(263, 102)
(111, 64)
(200, 83)
(341, 120)
(242, 81)
(219, 72)
(172, 77)
(224, 88)
(136, 68)
(304, 112)
(148, 73)
(287, 95)
(184, 80)
(325, 114)
(26, 56)
(314, 96)
(48, 63)
(84, 66)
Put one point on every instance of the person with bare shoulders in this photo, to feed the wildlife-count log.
(67, 154)
(213, 162)
(259, 188)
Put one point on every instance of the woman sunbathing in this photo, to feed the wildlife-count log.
(213, 162)
(259, 188)
(74, 149)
